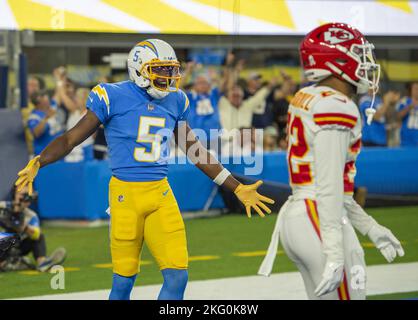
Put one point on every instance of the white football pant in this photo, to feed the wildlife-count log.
(298, 231)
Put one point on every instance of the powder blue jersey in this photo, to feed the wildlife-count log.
(204, 114)
(409, 129)
(52, 130)
(375, 132)
(138, 128)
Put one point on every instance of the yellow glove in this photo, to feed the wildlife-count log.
(249, 196)
(27, 175)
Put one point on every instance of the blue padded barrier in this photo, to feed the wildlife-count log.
(79, 190)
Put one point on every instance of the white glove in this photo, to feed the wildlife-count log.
(331, 278)
(386, 242)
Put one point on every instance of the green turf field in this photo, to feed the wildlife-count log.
(226, 246)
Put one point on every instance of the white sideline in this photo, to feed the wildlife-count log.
(382, 279)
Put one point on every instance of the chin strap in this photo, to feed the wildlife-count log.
(370, 111)
(370, 114)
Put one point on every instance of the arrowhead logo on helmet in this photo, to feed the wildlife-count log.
(337, 35)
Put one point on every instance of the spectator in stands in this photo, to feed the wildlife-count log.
(105, 79)
(204, 113)
(42, 122)
(243, 142)
(375, 134)
(261, 118)
(204, 98)
(270, 139)
(408, 115)
(84, 151)
(251, 141)
(18, 218)
(34, 84)
(254, 83)
(278, 104)
(65, 95)
(235, 112)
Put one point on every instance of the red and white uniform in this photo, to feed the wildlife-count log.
(314, 226)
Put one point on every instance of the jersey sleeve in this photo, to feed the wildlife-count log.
(402, 104)
(358, 217)
(34, 221)
(216, 94)
(99, 102)
(257, 99)
(335, 112)
(330, 151)
(33, 120)
(184, 106)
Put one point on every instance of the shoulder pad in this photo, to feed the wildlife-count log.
(335, 109)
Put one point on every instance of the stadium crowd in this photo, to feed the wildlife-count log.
(218, 100)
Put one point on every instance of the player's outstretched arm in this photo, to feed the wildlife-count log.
(210, 166)
(330, 148)
(382, 237)
(58, 149)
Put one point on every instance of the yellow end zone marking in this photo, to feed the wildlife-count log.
(254, 253)
(203, 258)
(102, 265)
(69, 269)
(371, 244)
(367, 245)
(30, 272)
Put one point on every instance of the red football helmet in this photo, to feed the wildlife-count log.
(341, 50)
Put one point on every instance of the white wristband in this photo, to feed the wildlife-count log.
(222, 176)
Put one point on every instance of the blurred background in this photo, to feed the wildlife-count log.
(240, 66)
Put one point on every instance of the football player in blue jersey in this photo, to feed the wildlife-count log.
(140, 116)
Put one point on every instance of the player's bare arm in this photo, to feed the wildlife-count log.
(63, 145)
(207, 163)
(58, 149)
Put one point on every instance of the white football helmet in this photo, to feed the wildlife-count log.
(153, 66)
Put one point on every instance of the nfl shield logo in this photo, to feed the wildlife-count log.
(121, 198)
(150, 107)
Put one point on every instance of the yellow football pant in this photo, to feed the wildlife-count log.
(145, 210)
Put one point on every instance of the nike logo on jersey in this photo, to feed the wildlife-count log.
(165, 193)
(342, 100)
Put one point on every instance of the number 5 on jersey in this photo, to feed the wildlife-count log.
(144, 136)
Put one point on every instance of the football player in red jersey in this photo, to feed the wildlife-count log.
(316, 224)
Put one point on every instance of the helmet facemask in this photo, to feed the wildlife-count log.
(368, 71)
(162, 75)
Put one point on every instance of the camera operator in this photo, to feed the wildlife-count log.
(17, 217)
(7, 241)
